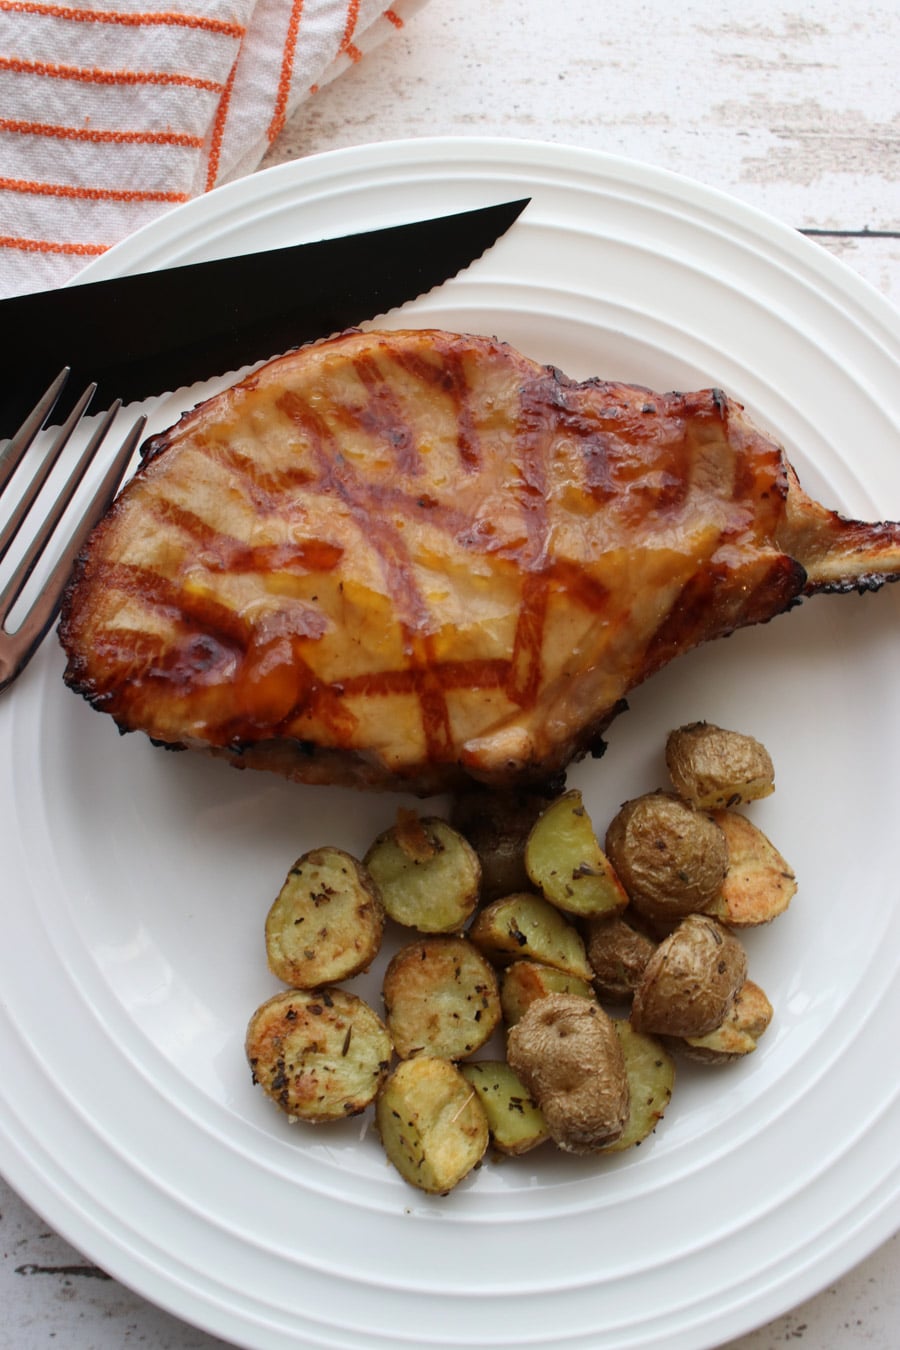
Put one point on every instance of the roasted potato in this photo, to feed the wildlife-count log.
(327, 922)
(525, 926)
(428, 875)
(514, 1117)
(712, 767)
(441, 998)
(690, 981)
(618, 952)
(651, 1076)
(497, 825)
(670, 858)
(320, 1055)
(759, 885)
(525, 981)
(566, 1051)
(747, 1019)
(432, 1124)
(565, 862)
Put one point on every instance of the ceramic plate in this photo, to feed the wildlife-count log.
(136, 883)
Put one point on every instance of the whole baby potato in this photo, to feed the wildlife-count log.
(713, 767)
(497, 825)
(670, 858)
(566, 1051)
(618, 952)
(691, 981)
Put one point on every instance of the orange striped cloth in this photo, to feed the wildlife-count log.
(112, 112)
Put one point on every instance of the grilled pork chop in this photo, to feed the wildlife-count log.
(405, 559)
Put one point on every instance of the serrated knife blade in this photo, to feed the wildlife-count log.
(146, 334)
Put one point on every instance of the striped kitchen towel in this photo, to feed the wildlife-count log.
(112, 112)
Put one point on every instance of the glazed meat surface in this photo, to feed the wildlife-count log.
(405, 559)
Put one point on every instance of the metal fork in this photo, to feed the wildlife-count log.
(19, 645)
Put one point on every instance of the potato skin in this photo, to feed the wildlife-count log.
(618, 953)
(670, 858)
(497, 825)
(747, 1020)
(713, 767)
(566, 1051)
(441, 998)
(691, 980)
(319, 1055)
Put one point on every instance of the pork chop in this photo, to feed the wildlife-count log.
(411, 559)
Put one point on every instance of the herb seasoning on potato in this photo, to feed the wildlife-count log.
(319, 1055)
(327, 922)
(441, 998)
(432, 1124)
(526, 925)
(427, 873)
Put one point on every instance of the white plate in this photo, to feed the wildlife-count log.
(136, 883)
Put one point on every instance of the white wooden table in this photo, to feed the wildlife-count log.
(795, 109)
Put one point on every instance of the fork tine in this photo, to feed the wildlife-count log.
(12, 452)
(30, 496)
(39, 618)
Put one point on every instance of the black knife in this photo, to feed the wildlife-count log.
(151, 333)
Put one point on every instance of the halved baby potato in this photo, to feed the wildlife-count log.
(441, 998)
(319, 1055)
(514, 1117)
(565, 862)
(650, 1070)
(427, 873)
(526, 926)
(759, 885)
(327, 923)
(747, 1019)
(522, 983)
(432, 1124)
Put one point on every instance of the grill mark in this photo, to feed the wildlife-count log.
(383, 419)
(185, 611)
(487, 673)
(579, 585)
(363, 501)
(720, 597)
(201, 658)
(225, 553)
(537, 406)
(276, 491)
(449, 377)
(525, 668)
(265, 488)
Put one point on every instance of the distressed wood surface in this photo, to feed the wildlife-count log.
(793, 109)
